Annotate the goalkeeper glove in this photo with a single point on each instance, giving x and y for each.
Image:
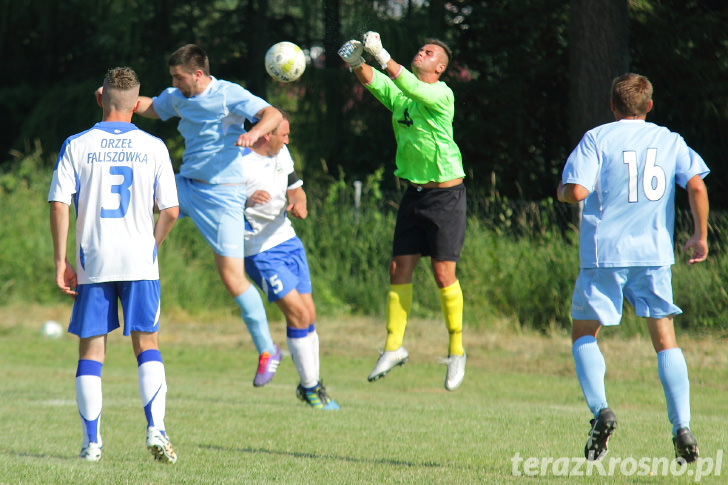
(351, 53)
(373, 45)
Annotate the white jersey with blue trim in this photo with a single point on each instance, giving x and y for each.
(211, 122)
(630, 168)
(114, 173)
(267, 225)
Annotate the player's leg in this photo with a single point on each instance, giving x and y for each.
(673, 371)
(597, 301)
(252, 310)
(589, 363)
(399, 305)
(313, 336)
(232, 272)
(91, 355)
(451, 301)
(650, 291)
(217, 211)
(94, 315)
(140, 302)
(445, 213)
(399, 298)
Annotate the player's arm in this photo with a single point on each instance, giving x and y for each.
(297, 205)
(65, 274)
(571, 193)
(269, 119)
(165, 221)
(146, 108)
(351, 53)
(699, 207)
(257, 198)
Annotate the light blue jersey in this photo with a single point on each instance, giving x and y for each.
(211, 123)
(630, 168)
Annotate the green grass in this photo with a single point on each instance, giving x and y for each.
(520, 396)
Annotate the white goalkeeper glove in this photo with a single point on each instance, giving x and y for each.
(373, 45)
(351, 53)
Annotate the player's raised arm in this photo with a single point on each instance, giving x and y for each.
(351, 53)
(372, 42)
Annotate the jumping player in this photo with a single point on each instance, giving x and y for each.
(431, 215)
(275, 258)
(211, 181)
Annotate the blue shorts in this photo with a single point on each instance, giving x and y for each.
(96, 309)
(217, 211)
(280, 269)
(599, 293)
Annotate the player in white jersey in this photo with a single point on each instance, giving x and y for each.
(211, 181)
(115, 174)
(275, 258)
(625, 172)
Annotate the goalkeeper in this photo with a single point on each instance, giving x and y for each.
(431, 215)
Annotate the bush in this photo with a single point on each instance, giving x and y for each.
(519, 261)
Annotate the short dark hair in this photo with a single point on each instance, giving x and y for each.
(192, 57)
(631, 94)
(444, 47)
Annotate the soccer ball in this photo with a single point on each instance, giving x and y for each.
(51, 329)
(285, 62)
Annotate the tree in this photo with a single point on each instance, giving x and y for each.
(598, 52)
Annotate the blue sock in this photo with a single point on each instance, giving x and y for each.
(590, 370)
(673, 372)
(253, 313)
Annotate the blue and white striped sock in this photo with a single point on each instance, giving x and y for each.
(152, 387)
(89, 399)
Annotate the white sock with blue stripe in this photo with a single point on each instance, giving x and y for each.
(590, 370)
(313, 336)
(152, 387)
(673, 371)
(253, 313)
(302, 354)
(89, 399)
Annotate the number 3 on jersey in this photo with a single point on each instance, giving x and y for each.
(653, 176)
(124, 191)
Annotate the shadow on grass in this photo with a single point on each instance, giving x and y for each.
(349, 459)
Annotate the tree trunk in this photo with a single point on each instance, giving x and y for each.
(598, 52)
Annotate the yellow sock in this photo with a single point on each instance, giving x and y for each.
(451, 298)
(399, 304)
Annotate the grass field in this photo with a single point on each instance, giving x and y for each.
(519, 410)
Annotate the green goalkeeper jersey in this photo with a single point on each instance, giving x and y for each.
(422, 116)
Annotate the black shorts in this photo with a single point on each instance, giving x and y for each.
(431, 222)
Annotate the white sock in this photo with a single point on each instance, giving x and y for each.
(152, 387)
(302, 355)
(313, 336)
(89, 399)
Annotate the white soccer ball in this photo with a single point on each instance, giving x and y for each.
(285, 62)
(52, 329)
